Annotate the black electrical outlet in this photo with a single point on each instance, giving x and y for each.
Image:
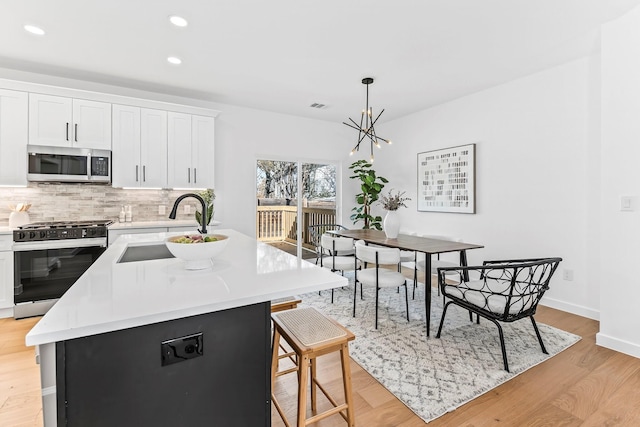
(180, 349)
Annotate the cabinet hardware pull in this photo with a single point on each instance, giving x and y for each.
(195, 175)
(189, 175)
(136, 173)
(144, 173)
(67, 131)
(75, 133)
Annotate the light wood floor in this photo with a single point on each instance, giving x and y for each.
(585, 385)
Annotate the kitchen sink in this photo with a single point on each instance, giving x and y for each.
(145, 253)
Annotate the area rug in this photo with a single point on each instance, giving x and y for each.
(434, 376)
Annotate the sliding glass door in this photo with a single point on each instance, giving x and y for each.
(290, 193)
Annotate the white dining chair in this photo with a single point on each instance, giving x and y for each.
(409, 259)
(333, 247)
(377, 275)
(438, 263)
(421, 262)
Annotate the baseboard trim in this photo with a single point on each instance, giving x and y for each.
(622, 346)
(587, 312)
(6, 312)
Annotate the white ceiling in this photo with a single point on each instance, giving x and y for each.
(283, 55)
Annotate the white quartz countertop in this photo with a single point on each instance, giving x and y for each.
(114, 296)
(163, 223)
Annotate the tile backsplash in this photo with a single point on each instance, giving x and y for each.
(65, 202)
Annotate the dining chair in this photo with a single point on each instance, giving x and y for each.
(421, 262)
(378, 276)
(315, 234)
(507, 291)
(333, 247)
(409, 259)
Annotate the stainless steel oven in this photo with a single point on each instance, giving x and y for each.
(49, 258)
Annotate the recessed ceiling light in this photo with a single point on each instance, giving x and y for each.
(34, 30)
(178, 21)
(174, 60)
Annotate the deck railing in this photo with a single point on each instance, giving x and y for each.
(279, 223)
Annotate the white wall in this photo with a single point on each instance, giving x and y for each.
(620, 290)
(533, 148)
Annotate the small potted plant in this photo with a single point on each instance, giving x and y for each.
(391, 203)
(209, 196)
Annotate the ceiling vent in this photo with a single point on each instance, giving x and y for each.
(318, 105)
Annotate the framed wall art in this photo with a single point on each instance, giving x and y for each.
(447, 180)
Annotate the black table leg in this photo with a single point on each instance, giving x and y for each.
(427, 290)
(463, 263)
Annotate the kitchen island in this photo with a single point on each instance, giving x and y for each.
(150, 343)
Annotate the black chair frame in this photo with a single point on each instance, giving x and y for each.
(507, 290)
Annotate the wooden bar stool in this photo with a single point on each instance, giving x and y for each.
(286, 303)
(311, 334)
(281, 304)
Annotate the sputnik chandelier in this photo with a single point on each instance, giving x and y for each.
(366, 128)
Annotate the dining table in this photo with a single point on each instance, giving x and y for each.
(426, 245)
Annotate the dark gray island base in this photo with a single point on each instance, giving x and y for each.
(101, 346)
(119, 378)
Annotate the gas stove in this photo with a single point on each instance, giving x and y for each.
(61, 230)
(49, 257)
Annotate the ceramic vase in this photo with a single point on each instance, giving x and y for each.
(391, 224)
(16, 219)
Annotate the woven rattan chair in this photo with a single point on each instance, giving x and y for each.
(506, 291)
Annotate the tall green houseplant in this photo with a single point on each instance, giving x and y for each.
(371, 186)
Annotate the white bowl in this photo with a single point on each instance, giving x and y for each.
(197, 256)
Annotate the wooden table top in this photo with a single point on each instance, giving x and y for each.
(407, 242)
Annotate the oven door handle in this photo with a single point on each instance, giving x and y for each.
(59, 244)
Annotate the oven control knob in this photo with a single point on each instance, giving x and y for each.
(43, 234)
(32, 234)
(22, 235)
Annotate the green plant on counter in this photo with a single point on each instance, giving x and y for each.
(209, 196)
(371, 186)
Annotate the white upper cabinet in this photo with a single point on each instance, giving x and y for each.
(179, 169)
(91, 124)
(191, 151)
(67, 122)
(202, 143)
(13, 137)
(139, 153)
(153, 147)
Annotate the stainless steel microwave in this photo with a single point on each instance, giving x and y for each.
(68, 164)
